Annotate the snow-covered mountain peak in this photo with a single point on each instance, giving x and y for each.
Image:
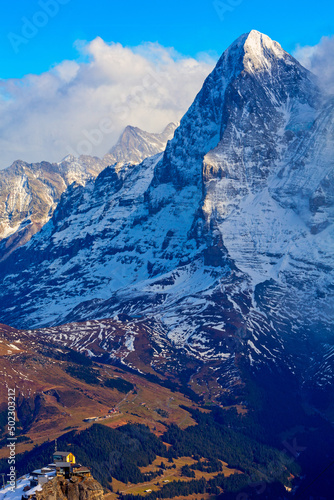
(254, 78)
(134, 145)
(67, 158)
(254, 52)
(260, 50)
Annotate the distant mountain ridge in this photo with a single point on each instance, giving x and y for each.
(29, 193)
(134, 145)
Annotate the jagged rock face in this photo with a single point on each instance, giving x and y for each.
(226, 239)
(29, 193)
(72, 489)
(276, 150)
(134, 145)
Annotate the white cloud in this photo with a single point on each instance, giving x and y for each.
(319, 60)
(80, 106)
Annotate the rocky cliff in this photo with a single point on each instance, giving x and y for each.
(29, 193)
(134, 145)
(75, 488)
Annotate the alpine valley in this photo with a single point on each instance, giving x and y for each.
(203, 267)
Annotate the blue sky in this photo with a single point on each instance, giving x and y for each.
(190, 26)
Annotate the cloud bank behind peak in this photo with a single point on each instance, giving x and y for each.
(319, 59)
(81, 107)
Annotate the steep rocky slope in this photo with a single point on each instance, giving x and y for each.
(75, 488)
(134, 145)
(29, 193)
(225, 239)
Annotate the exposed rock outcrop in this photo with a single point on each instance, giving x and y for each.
(134, 145)
(30, 192)
(76, 488)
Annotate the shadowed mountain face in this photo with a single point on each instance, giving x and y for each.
(29, 193)
(225, 239)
